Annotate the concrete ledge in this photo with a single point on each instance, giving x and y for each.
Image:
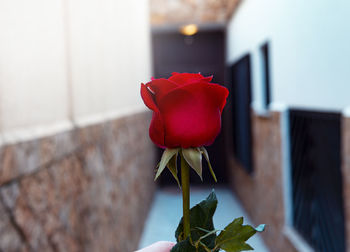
(29, 133)
(346, 112)
(297, 241)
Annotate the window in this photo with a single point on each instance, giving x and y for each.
(241, 116)
(316, 179)
(265, 63)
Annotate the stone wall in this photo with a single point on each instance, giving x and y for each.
(88, 189)
(261, 193)
(165, 12)
(346, 175)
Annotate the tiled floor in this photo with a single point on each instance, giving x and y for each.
(167, 211)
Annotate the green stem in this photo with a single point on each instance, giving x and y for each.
(185, 181)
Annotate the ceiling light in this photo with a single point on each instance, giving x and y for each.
(189, 30)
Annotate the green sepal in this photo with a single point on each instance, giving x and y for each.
(233, 237)
(194, 158)
(172, 166)
(201, 222)
(167, 155)
(206, 156)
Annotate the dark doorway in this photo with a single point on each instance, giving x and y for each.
(203, 52)
(317, 180)
(240, 76)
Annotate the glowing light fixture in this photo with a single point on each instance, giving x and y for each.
(189, 30)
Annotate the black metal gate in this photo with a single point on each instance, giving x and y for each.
(317, 180)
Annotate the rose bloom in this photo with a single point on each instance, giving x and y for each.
(186, 110)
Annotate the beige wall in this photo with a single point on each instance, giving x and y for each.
(109, 51)
(65, 62)
(33, 80)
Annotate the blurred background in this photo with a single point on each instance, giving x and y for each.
(76, 162)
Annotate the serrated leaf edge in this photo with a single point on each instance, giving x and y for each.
(237, 221)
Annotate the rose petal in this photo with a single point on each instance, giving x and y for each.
(161, 87)
(217, 93)
(156, 130)
(192, 114)
(148, 98)
(220, 94)
(188, 78)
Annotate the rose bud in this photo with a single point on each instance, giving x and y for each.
(186, 110)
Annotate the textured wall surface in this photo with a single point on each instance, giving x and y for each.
(262, 193)
(191, 11)
(346, 175)
(84, 190)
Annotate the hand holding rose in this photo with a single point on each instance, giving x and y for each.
(161, 246)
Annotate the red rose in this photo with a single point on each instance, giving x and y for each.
(186, 110)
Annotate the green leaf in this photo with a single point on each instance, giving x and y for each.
(172, 166)
(194, 158)
(206, 156)
(233, 237)
(167, 155)
(201, 219)
(183, 246)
